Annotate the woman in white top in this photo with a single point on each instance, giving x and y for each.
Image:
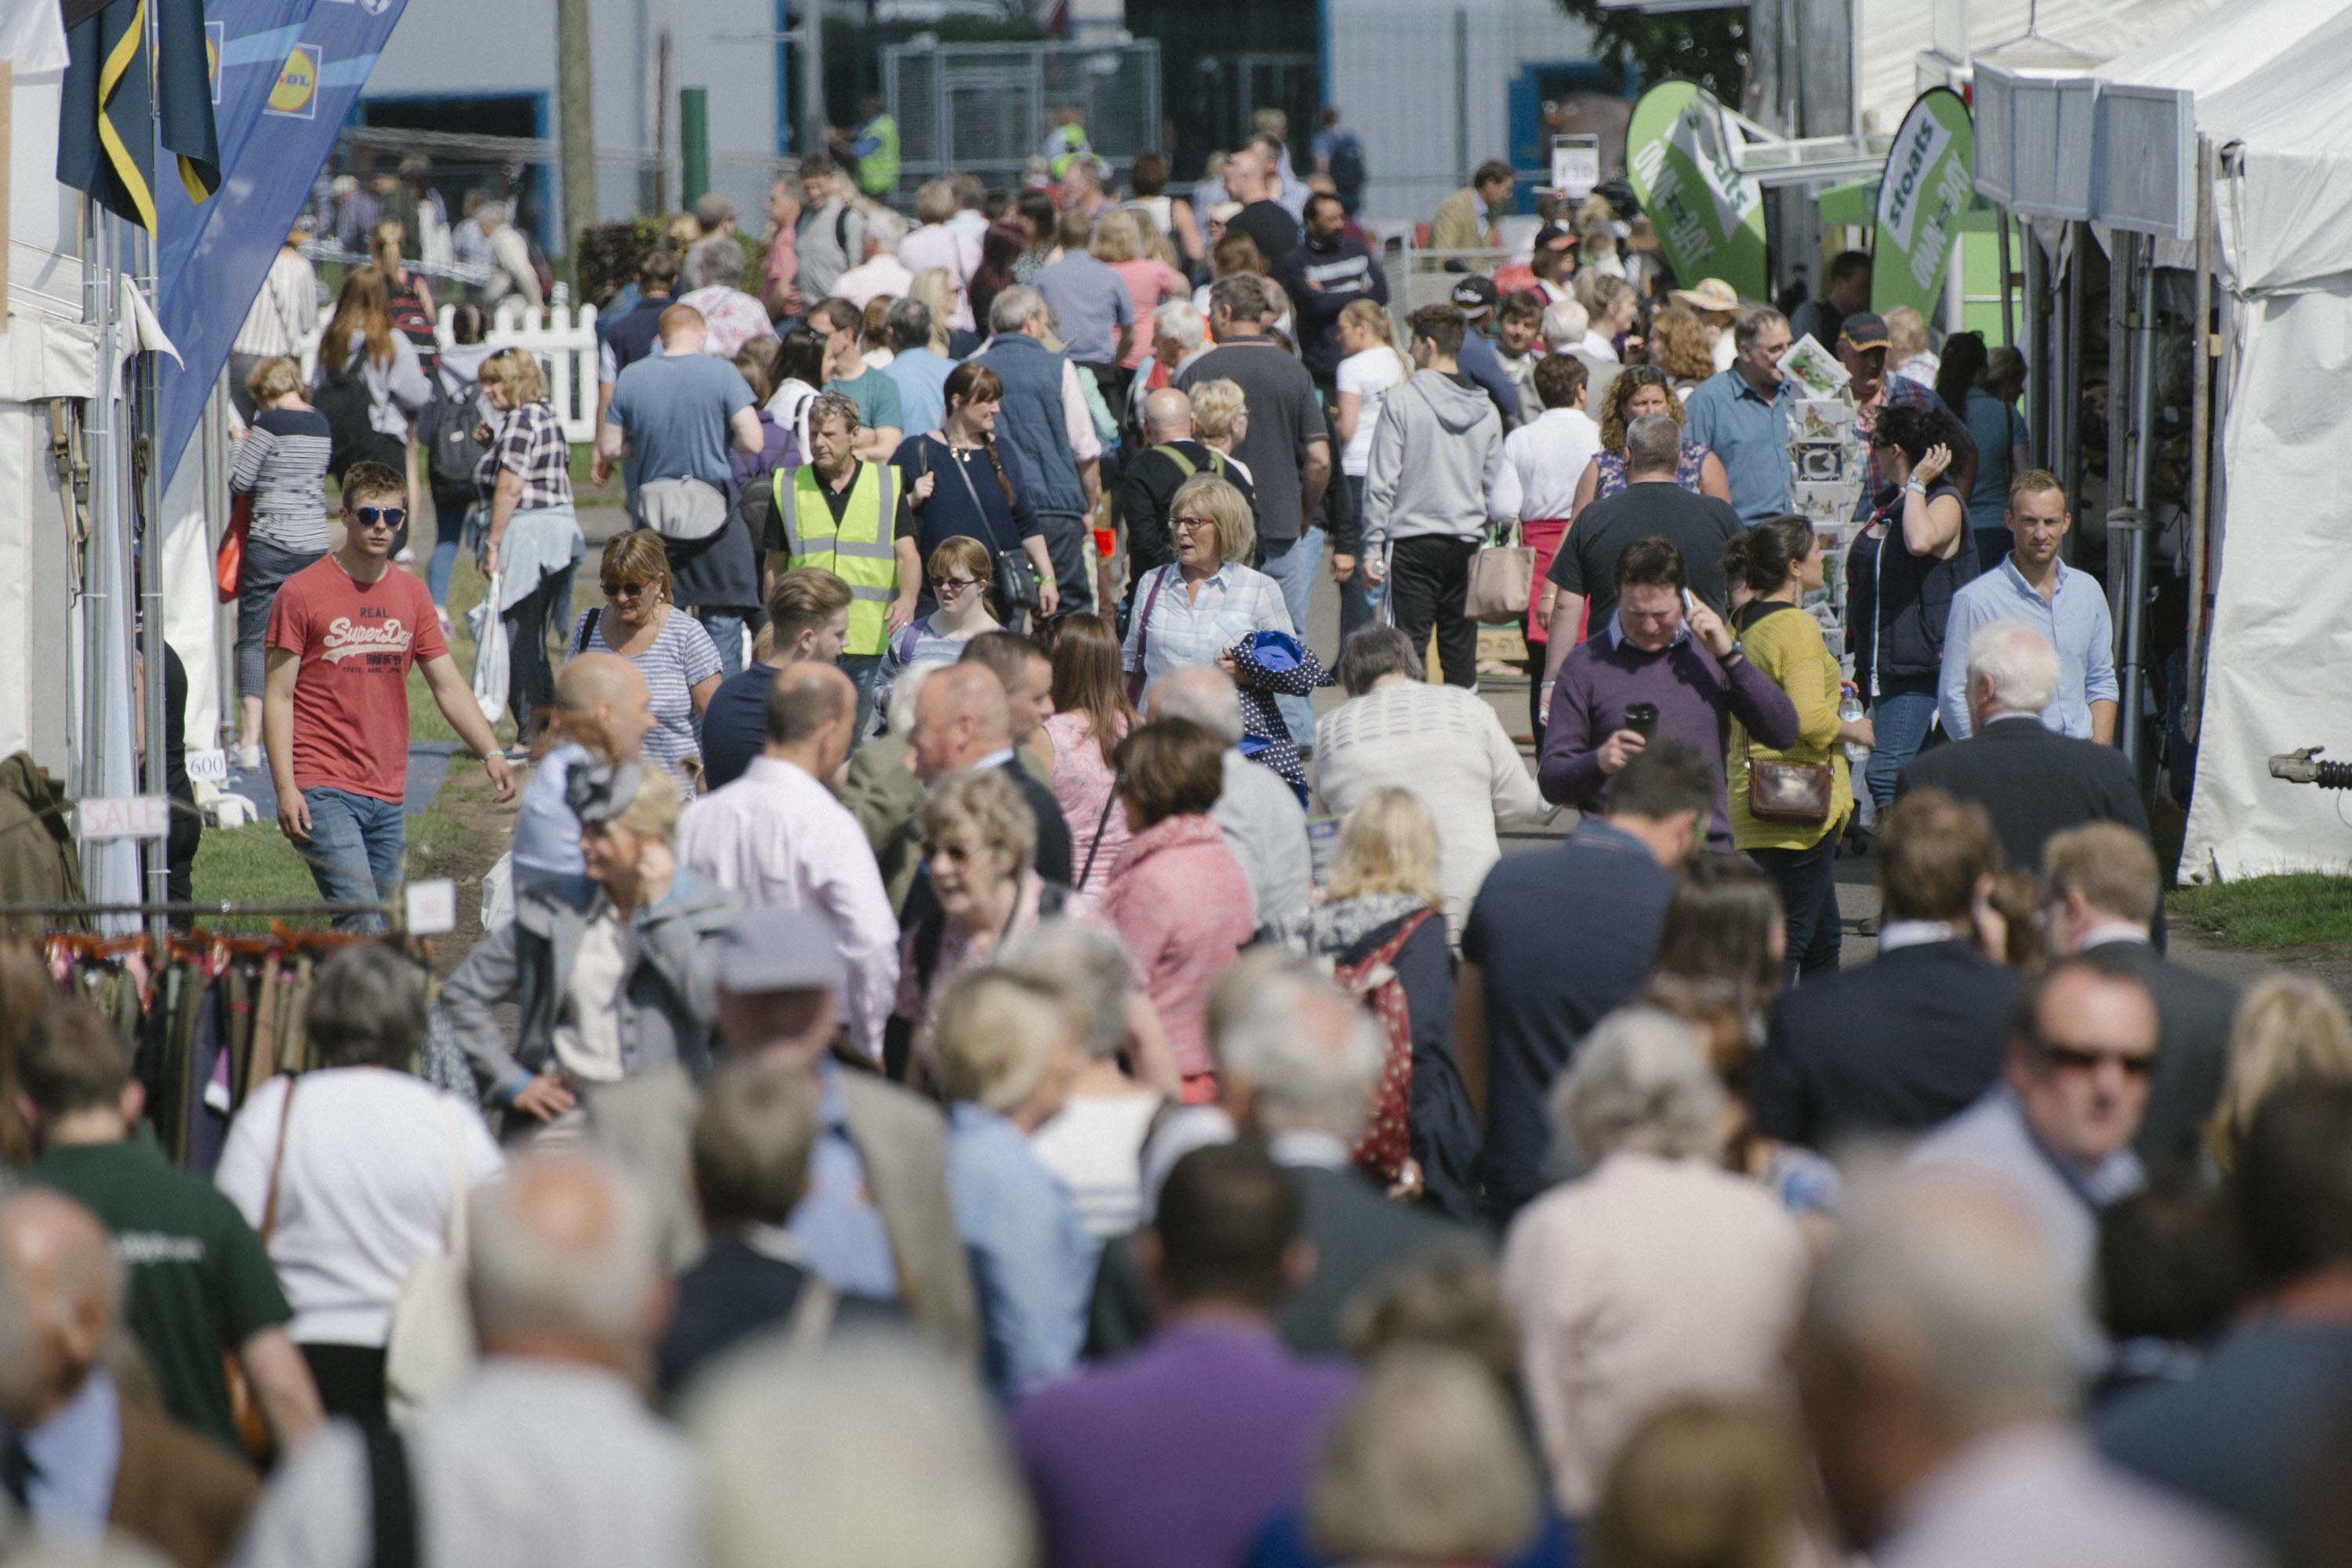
(1371, 370)
(351, 1172)
(800, 371)
(1443, 743)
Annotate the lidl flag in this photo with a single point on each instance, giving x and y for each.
(287, 76)
(116, 112)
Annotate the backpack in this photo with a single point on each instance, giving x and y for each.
(1387, 1142)
(1184, 464)
(344, 398)
(446, 430)
(1348, 163)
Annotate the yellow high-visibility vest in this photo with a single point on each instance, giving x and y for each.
(859, 550)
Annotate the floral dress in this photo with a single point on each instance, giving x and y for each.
(1688, 470)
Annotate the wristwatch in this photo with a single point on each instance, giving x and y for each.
(1915, 485)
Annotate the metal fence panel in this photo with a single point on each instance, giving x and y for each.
(984, 109)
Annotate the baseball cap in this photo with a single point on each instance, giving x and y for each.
(1553, 233)
(1864, 331)
(1475, 294)
(773, 948)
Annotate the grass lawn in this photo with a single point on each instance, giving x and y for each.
(2301, 910)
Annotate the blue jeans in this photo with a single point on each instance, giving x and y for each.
(1292, 564)
(864, 672)
(726, 629)
(357, 844)
(1901, 716)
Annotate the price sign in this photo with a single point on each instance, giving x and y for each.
(125, 816)
(208, 767)
(432, 906)
(1575, 165)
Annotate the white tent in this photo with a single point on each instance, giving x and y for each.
(2269, 84)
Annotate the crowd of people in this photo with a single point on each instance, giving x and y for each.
(930, 1096)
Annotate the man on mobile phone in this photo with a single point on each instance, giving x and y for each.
(334, 713)
(1666, 657)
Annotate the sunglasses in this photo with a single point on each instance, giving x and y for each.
(379, 516)
(953, 585)
(2073, 1058)
(625, 590)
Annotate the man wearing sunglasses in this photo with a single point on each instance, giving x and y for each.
(2057, 1128)
(334, 713)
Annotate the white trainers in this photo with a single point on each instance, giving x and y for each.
(248, 758)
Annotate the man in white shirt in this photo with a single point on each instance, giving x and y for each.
(938, 242)
(779, 837)
(881, 271)
(969, 220)
(1543, 460)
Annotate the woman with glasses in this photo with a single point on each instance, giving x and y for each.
(1091, 716)
(534, 540)
(1194, 610)
(977, 488)
(669, 648)
(956, 576)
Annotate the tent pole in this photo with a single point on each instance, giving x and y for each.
(2008, 305)
(2134, 621)
(2066, 377)
(2040, 382)
(2119, 258)
(100, 302)
(2200, 453)
(149, 514)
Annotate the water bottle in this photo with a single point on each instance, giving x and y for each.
(1849, 709)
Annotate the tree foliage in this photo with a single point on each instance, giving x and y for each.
(1709, 47)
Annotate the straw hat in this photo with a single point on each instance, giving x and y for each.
(1712, 296)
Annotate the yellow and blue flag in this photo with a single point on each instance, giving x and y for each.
(140, 76)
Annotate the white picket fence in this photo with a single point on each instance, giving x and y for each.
(563, 339)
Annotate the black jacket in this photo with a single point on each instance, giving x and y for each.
(1343, 273)
(1153, 476)
(1895, 1046)
(2033, 780)
(2195, 1015)
(1443, 1131)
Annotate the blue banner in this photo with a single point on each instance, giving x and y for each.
(285, 76)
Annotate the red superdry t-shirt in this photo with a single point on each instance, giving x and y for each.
(351, 700)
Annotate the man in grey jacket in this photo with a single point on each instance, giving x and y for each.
(876, 1219)
(1437, 454)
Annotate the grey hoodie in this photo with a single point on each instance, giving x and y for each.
(1437, 453)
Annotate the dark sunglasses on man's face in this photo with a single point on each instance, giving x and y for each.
(379, 516)
(2073, 1058)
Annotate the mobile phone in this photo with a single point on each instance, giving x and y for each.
(1689, 604)
(1641, 718)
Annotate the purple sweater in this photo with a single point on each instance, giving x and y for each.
(1693, 695)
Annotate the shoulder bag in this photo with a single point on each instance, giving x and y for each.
(430, 1348)
(1135, 679)
(1798, 794)
(1502, 579)
(244, 1410)
(1016, 579)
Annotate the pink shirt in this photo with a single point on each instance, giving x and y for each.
(1180, 902)
(1643, 1279)
(1150, 284)
(1081, 780)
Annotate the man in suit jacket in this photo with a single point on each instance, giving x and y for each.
(963, 719)
(1899, 1043)
(2033, 780)
(876, 1220)
(74, 1455)
(2102, 888)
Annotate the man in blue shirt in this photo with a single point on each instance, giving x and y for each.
(674, 414)
(1092, 308)
(1476, 297)
(919, 374)
(2033, 585)
(1741, 416)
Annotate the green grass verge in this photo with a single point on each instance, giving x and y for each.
(2302, 909)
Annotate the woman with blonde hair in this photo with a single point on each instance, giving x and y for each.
(533, 540)
(612, 987)
(1635, 393)
(2290, 1029)
(1701, 1484)
(638, 621)
(1005, 1049)
(982, 840)
(1150, 282)
(934, 288)
(958, 576)
(1220, 422)
(1683, 347)
(370, 381)
(1381, 921)
(1195, 608)
(408, 298)
(282, 465)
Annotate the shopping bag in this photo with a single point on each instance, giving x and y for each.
(228, 564)
(490, 654)
(1502, 579)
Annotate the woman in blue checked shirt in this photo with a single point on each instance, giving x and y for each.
(535, 541)
(1194, 610)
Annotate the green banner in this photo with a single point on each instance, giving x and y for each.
(1709, 216)
(1928, 185)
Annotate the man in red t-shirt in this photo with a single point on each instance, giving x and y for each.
(335, 714)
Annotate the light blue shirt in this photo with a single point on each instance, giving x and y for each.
(1033, 1263)
(837, 1224)
(2074, 620)
(1749, 433)
(74, 1456)
(546, 834)
(921, 377)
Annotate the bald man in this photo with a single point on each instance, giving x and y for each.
(778, 836)
(76, 1456)
(568, 1296)
(963, 720)
(1156, 474)
(601, 707)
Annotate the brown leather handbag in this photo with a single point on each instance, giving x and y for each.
(1796, 793)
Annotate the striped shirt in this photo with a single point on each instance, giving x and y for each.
(282, 463)
(284, 311)
(529, 443)
(1183, 629)
(680, 658)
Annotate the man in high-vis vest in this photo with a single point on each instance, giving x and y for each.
(850, 518)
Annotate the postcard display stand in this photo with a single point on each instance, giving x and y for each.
(1826, 467)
